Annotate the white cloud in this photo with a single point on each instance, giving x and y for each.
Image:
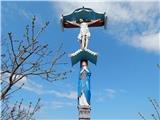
(5, 78)
(30, 85)
(127, 21)
(57, 104)
(108, 93)
(70, 95)
(111, 93)
(10, 8)
(39, 89)
(148, 42)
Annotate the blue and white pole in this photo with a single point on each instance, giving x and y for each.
(84, 93)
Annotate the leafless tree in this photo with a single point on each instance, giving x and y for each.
(19, 111)
(156, 106)
(21, 59)
(156, 114)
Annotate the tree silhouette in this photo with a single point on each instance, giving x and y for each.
(21, 59)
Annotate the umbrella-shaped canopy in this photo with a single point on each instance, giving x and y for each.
(85, 54)
(86, 14)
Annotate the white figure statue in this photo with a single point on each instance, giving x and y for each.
(82, 98)
(84, 34)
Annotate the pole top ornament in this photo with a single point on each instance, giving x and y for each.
(83, 18)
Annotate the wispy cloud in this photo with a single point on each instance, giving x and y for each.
(108, 93)
(39, 89)
(128, 22)
(34, 87)
(70, 95)
(30, 86)
(57, 104)
(12, 9)
(150, 42)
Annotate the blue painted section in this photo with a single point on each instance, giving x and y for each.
(84, 85)
(86, 14)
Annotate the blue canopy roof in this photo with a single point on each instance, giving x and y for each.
(87, 14)
(84, 55)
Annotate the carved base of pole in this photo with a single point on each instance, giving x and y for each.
(84, 112)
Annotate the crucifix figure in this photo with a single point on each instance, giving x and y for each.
(84, 33)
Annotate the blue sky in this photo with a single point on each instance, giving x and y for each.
(126, 72)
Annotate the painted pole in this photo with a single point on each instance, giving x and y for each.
(84, 93)
(83, 18)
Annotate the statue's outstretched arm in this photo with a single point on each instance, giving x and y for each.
(92, 22)
(73, 23)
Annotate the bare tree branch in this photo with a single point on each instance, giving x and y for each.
(19, 111)
(21, 59)
(141, 115)
(156, 107)
(29, 57)
(156, 115)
